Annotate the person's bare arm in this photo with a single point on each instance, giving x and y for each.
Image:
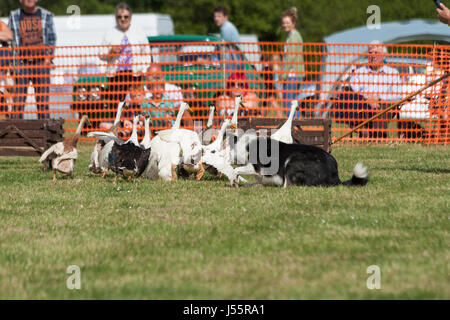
(5, 32)
(108, 51)
(443, 14)
(114, 51)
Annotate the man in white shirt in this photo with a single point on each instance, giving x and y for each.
(372, 88)
(127, 53)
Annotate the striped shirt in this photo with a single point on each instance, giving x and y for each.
(48, 28)
(384, 82)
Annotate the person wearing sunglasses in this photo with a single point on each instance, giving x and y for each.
(127, 53)
(237, 85)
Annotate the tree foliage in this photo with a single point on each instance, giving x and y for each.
(317, 18)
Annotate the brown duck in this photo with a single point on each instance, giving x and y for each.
(64, 154)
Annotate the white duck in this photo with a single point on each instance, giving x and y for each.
(237, 103)
(94, 165)
(145, 143)
(165, 156)
(64, 154)
(216, 155)
(284, 134)
(220, 155)
(191, 149)
(208, 133)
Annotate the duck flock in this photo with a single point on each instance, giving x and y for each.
(178, 151)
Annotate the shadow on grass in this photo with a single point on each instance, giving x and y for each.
(423, 170)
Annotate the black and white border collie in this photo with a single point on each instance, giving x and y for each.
(277, 163)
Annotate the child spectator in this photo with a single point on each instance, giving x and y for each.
(237, 85)
(161, 110)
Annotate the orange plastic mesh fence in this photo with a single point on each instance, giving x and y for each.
(348, 83)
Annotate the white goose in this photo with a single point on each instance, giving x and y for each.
(237, 103)
(191, 149)
(190, 144)
(165, 156)
(145, 143)
(94, 165)
(216, 155)
(220, 155)
(284, 134)
(234, 147)
(217, 144)
(208, 133)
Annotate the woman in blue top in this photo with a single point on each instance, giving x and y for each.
(293, 72)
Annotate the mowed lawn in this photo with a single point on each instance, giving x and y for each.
(206, 240)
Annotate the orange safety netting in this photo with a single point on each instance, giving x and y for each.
(347, 83)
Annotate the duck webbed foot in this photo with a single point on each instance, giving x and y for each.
(202, 171)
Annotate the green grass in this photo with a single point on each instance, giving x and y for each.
(205, 240)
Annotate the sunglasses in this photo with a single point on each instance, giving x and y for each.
(154, 78)
(239, 84)
(123, 17)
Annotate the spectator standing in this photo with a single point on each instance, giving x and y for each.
(5, 37)
(372, 88)
(127, 53)
(33, 27)
(228, 31)
(443, 14)
(293, 71)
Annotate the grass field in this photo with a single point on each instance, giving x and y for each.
(205, 240)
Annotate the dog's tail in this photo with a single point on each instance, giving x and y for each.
(360, 176)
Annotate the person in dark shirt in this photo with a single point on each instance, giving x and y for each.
(34, 33)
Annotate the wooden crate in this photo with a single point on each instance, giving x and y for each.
(29, 138)
(315, 132)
